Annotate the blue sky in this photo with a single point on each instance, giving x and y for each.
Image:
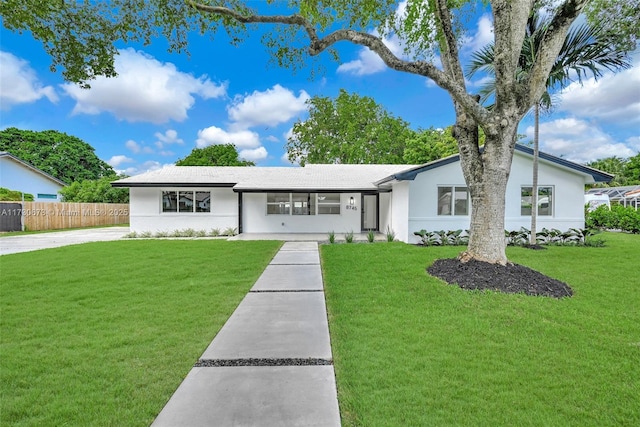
(163, 105)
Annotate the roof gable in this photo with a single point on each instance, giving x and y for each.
(11, 157)
(411, 173)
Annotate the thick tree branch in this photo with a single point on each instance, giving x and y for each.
(318, 44)
(510, 19)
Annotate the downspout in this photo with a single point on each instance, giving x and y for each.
(240, 212)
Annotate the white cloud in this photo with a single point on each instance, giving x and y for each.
(136, 148)
(147, 166)
(116, 161)
(19, 83)
(483, 35)
(612, 98)
(271, 107)
(169, 137)
(133, 146)
(579, 141)
(145, 90)
(368, 61)
(214, 135)
(272, 138)
(254, 154)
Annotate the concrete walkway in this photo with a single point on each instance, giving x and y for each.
(271, 363)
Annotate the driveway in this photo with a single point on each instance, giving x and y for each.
(33, 242)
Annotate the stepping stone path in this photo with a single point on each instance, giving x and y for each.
(271, 363)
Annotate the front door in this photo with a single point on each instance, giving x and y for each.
(369, 212)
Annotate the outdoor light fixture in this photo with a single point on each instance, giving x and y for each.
(352, 201)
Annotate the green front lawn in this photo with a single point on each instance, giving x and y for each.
(410, 350)
(103, 333)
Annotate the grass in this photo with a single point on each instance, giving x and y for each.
(411, 350)
(103, 333)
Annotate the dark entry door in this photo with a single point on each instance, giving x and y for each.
(369, 212)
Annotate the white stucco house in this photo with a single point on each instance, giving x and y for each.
(16, 174)
(343, 198)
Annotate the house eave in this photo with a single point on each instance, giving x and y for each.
(171, 184)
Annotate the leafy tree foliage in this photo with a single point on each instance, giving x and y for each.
(348, 129)
(214, 155)
(60, 155)
(429, 145)
(81, 37)
(95, 191)
(7, 195)
(625, 171)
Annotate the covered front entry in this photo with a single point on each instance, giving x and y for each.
(370, 212)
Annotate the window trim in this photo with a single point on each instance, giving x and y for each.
(177, 194)
(313, 201)
(551, 214)
(453, 189)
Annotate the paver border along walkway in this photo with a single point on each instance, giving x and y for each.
(271, 363)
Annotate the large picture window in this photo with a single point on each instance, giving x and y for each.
(186, 201)
(303, 204)
(545, 201)
(453, 200)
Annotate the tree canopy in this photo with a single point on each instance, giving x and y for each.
(625, 171)
(348, 129)
(95, 191)
(62, 156)
(429, 145)
(214, 155)
(81, 37)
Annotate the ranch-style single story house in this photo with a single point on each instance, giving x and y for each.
(343, 198)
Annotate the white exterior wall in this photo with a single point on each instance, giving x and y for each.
(568, 188)
(256, 220)
(385, 216)
(400, 211)
(568, 197)
(146, 211)
(16, 176)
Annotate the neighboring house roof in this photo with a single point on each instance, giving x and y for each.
(333, 177)
(411, 173)
(312, 177)
(7, 155)
(616, 193)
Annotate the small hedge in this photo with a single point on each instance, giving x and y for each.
(7, 195)
(617, 218)
(572, 237)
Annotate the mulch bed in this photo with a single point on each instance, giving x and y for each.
(511, 278)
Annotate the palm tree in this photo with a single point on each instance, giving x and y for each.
(587, 49)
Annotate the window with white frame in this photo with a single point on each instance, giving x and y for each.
(278, 204)
(328, 203)
(545, 200)
(453, 200)
(303, 204)
(185, 201)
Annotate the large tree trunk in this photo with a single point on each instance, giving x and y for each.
(486, 174)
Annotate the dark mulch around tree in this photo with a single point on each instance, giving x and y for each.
(511, 278)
